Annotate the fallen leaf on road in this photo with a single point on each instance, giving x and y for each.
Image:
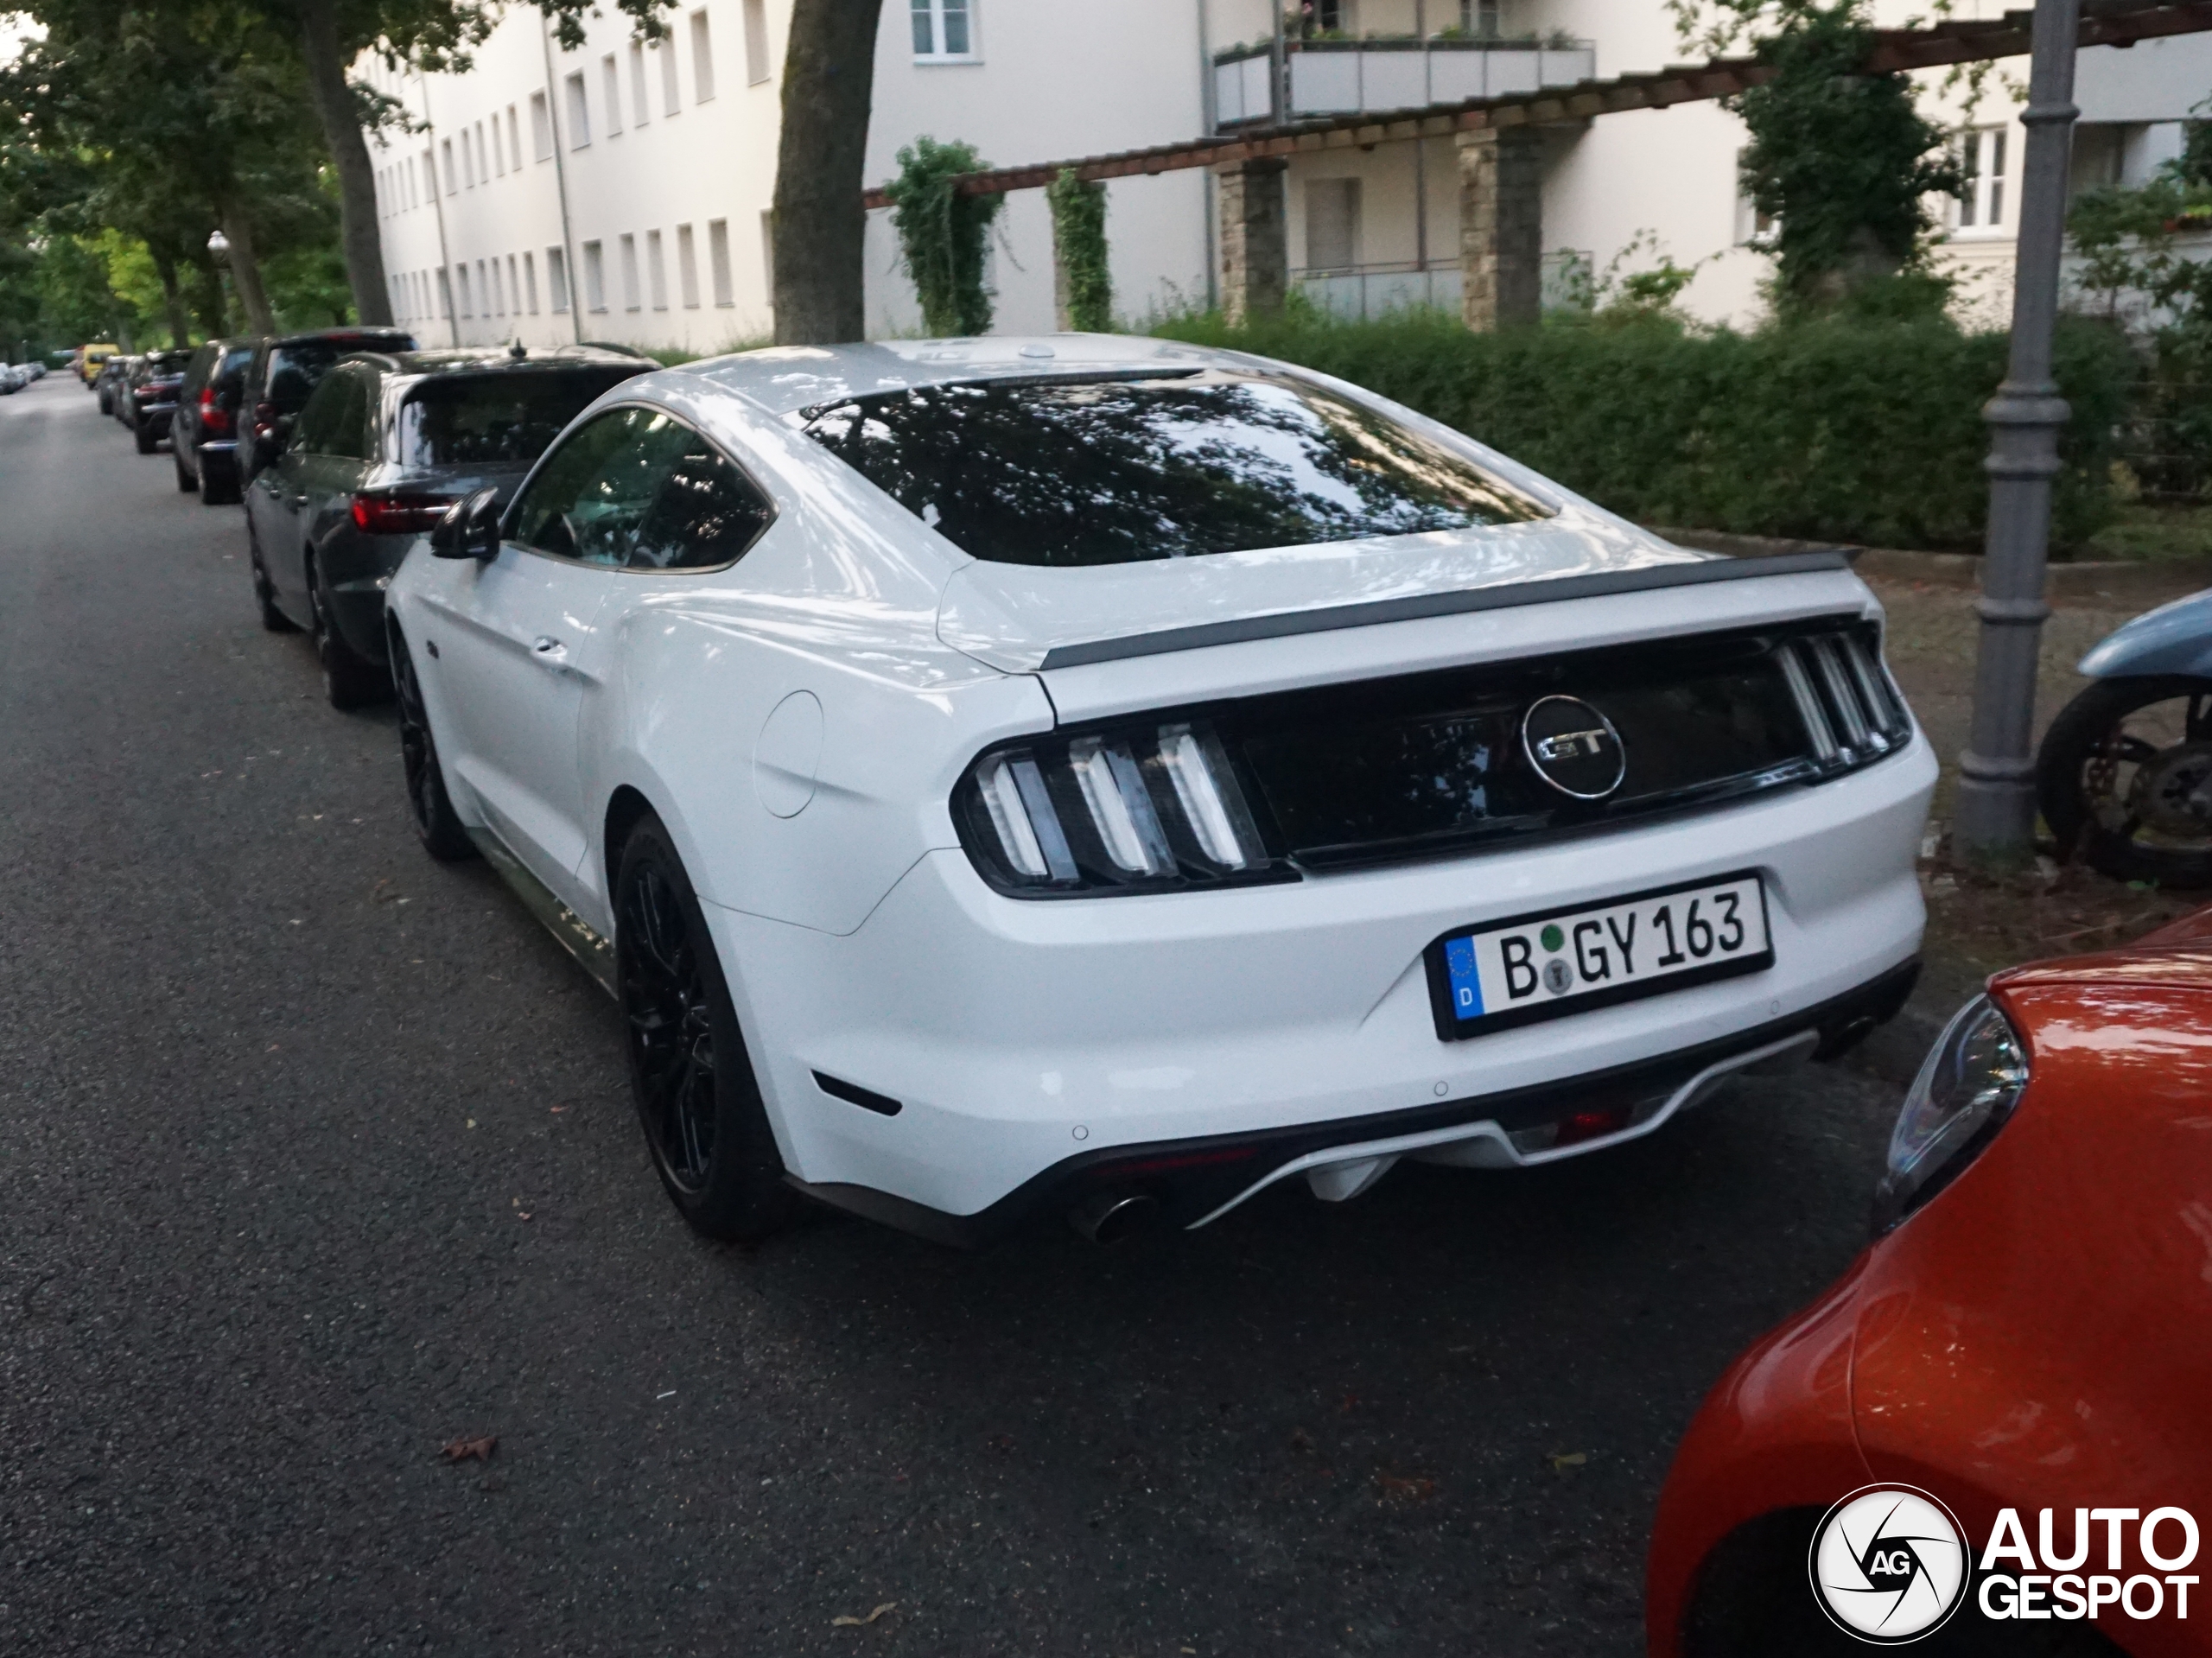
(847, 1621)
(462, 1450)
(1563, 1460)
(522, 1214)
(1418, 1489)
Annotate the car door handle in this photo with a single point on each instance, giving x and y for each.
(550, 652)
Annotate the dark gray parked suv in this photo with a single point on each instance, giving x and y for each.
(204, 430)
(369, 466)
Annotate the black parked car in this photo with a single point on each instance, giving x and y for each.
(204, 432)
(286, 370)
(109, 381)
(384, 445)
(149, 396)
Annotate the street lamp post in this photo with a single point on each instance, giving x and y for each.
(1996, 810)
(218, 249)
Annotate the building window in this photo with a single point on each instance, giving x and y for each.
(495, 296)
(556, 279)
(1753, 228)
(629, 247)
(578, 112)
(671, 101)
(611, 79)
(656, 272)
(467, 298)
(499, 148)
(1479, 19)
(718, 261)
(702, 59)
(594, 278)
(640, 112)
(1331, 223)
(445, 293)
(453, 185)
(686, 267)
(514, 139)
(945, 30)
(756, 41)
(530, 281)
(514, 286)
(768, 256)
(1983, 152)
(541, 126)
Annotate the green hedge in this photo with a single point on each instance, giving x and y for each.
(1848, 430)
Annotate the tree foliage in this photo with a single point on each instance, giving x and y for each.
(943, 235)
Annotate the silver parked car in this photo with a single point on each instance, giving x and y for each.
(387, 442)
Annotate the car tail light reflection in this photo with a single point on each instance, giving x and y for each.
(214, 419)
(399, 515)
(1147, 808)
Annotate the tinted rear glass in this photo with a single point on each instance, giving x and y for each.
(231, 376)
(168, 362)
(496, 419)
(1109, 471)
(295, 370)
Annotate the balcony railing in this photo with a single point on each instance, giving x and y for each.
(1347, 77)
(1373, 290)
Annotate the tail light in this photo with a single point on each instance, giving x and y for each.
(264, 417)
(395, 514)
(214, 419)
(1147, 807)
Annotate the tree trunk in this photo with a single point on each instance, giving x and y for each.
(349, 153)
(173, 301)
(818, 285)
(246, 272)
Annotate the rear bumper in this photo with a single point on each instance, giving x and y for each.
(1195, 1181)
(1033, 1044)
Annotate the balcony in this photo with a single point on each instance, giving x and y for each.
(1364, 291)
(1326, 77)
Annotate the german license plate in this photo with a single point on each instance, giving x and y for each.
(1545, 965)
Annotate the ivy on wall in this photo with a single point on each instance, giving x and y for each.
(1082, 286)
(943, 235)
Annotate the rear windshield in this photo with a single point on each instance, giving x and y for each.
(297, 368)
(1108, 471)
(168, 362)
(499, 419)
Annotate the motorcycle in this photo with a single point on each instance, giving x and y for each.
(2124, 775)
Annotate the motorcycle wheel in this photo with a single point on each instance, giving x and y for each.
(2125, 779)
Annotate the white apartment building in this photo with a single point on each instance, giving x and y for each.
(621, 191)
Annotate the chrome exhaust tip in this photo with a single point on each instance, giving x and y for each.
(1110, 1217)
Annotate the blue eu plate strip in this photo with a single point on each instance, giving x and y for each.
(1467, 983)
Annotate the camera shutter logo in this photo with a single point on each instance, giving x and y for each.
(1572, 747)
(1889, 1564)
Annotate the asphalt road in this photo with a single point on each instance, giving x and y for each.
(315, 1156)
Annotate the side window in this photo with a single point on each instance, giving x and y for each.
(351, 437)
(320, 419)
(588, 498)
(706, 513)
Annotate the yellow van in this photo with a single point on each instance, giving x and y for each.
(90, 359)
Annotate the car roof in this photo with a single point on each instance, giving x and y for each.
(366, 338)
(501, 359)
(782, 378)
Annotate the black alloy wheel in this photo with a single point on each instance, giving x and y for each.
(697, 1097)
(429, 806)
(264, 590)
(143, 430)
(2124, 778)
(350, 680)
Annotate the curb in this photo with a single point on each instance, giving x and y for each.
(2107, 579)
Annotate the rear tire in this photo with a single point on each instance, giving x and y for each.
(697, 1096)
(350, 680)
(144, 434)
(429, 806)
(185, 480)
(2089, 811)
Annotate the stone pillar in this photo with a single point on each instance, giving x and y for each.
(1255, 238)
(1501, 226)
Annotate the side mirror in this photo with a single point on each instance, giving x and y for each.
(470, 528)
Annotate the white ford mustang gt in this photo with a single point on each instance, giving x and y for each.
(1099, 775)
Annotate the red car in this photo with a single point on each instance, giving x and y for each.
(2024, 1351)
